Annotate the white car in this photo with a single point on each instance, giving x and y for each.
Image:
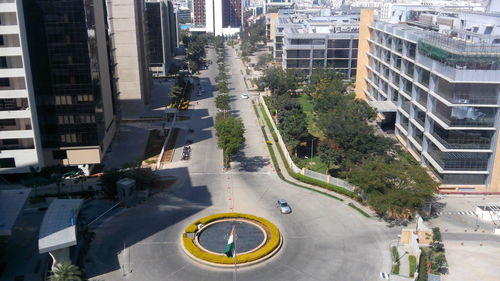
(283, 206)
(244, 95)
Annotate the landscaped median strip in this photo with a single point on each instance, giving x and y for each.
(301, 177)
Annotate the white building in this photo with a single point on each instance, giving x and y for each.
(20, 145)
(223, 17)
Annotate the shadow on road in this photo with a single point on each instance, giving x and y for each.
(142, 222)
(250, 164)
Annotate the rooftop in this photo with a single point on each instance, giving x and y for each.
(58, 229)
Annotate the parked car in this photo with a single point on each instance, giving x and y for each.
(283, 206)
(244, 95)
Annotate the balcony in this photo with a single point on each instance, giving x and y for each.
(11, 72)
(9, 29)
(18, 134)
(16, 147)
(479, 144)
(465, 116)
(462, 139)
(11, 51)
(456, 161)
(467, 93)
(14, 114)
(458, 74)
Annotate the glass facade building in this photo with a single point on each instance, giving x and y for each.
(308, 42)
(442, 92)
(71, 74)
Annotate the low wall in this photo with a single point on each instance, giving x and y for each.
(306, 172)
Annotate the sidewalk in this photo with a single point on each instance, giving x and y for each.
(289, 178)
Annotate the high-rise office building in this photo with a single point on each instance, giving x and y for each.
(307, 41)
(128, 31)
(435, 78)
(199, 13)
(68, 67)
(223, 17)
(161, 35)
(20, 144)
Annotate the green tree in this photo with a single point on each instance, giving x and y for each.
(293, 126)
(193, 66)
(223, 88)
(330, 154)
(279, 81)
(396, 188)
(263, 60)
(175, 94)
(229, 132)
(222, 102)
(65, 271)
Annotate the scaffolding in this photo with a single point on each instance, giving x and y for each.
(460, 53)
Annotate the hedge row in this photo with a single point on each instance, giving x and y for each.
(301, 177)
(273, 240)
(359, 210)
(413, 265)
(275, 161)
(395, 260)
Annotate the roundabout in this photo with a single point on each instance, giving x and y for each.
(256, 239)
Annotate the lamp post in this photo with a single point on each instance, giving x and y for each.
(312, 149)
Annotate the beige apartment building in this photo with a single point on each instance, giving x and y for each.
(130, 53)
(435, 78)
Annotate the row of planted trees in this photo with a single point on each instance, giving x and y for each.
(229, 129)
(195, 49)
(392, 182)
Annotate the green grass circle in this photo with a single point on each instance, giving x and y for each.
(272, 243)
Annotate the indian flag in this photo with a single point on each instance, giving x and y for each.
(230, 245)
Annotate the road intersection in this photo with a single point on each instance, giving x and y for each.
(323, 239)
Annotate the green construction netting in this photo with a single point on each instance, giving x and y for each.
(453, 59)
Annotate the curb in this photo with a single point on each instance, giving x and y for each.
(230, 266)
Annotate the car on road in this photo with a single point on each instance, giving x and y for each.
(244, 95)
(283, 206)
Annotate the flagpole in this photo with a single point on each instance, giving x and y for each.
(234, 256)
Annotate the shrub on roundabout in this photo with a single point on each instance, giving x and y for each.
(273, 240)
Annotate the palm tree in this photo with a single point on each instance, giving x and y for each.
(65, 271)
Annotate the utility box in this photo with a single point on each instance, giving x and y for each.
(125, 189)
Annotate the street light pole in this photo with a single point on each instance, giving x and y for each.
(312, 149)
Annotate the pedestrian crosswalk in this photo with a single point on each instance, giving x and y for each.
(459, 213)
(384, 275)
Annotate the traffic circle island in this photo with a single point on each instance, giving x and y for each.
(255, 239)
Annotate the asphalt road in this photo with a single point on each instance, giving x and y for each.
(323, 239)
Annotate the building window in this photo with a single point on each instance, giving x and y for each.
(65, 119)
(7, 122)
(4, 82)
(7, 163)
(63, 100)
(10, 142)
(85, 98)
(59, 154)
(68, 138)
(3, 62)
